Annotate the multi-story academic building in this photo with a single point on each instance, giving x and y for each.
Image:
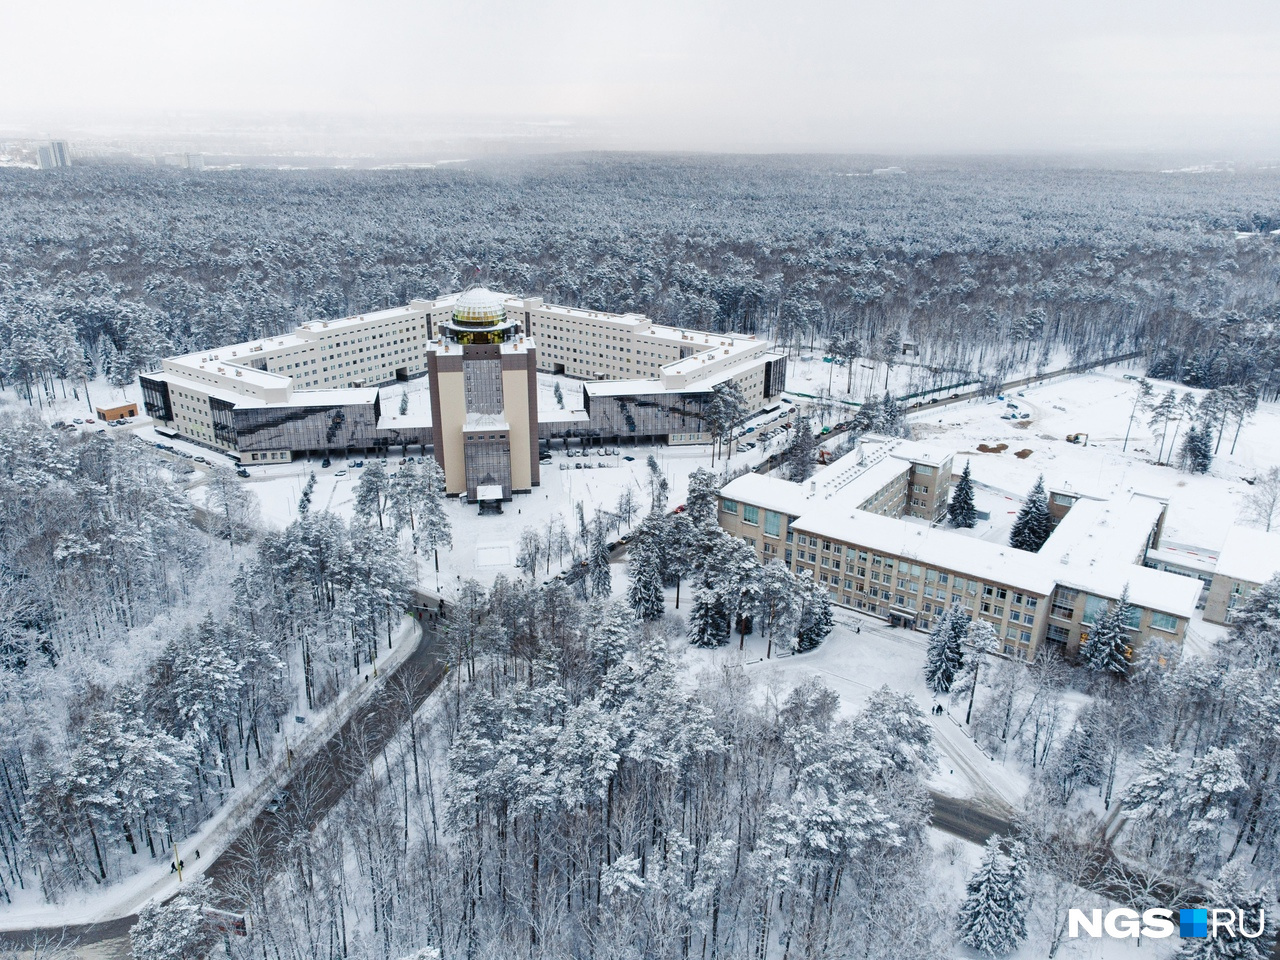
(853, 528)
(315, 391)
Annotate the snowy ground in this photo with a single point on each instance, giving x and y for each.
(1201, 508)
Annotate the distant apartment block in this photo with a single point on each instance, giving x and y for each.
(878, 549)
(53, 155)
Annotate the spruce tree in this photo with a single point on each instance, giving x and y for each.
(1197, 450)
(815, 620)
(645, 592)
(800, 451)
(945, 655)
(709, 618)
(559, 395)
(1107, 649)
(961, 511)
(1032, 526)
(1232, 890)
(993, 917)
(598, 562)
(404, 402)
(304, 502)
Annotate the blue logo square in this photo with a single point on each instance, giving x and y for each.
(1193, 923)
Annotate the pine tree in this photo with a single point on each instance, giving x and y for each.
(404, 402)
(559, 395)
(799, 454)
(1108, 647)
(1032, 526)
(945, 655)
(703, 503)
(371, 493)
(993, 917)
(961, 511)
(814, 620)
(304, 502)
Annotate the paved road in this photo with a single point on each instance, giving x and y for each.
(966, 819)
(315, 788)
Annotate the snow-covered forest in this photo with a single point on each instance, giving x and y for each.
(573, 788)
(979, 265)
(147, 664)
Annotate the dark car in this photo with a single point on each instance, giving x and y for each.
(242, 472)
(324, 463)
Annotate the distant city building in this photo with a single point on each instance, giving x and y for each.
(314, 391)
(54, 155)
(865, 528)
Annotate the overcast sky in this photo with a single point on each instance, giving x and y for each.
(934, 75)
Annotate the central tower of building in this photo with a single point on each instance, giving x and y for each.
(482, 371)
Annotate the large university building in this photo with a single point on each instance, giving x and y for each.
(865, 528)
(315, 391)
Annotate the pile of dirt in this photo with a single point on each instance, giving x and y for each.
(998, 448)
(1023, 454)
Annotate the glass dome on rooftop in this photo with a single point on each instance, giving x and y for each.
(479, 307)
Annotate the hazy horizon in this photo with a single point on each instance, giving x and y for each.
(921, 78)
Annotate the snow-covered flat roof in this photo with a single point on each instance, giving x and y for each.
(1250, 555)
(621, 388)
(324, 398)
(933, 546)
(1104, 529)
(771, 493)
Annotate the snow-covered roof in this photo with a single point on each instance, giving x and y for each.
(1103, 529)
(1249, 555)
(1153, 589)
(771, 493)
(932, 546)
(1099, 551)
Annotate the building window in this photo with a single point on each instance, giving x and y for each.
(750, 514)
(772, 523)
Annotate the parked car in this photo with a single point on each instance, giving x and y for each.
(77, 420)
(201, 460)
(90, 420)
(324, 463)
(341, 473)
(629, 459)
(242, 472)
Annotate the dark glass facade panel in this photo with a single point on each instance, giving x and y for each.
(775, 376)
(155, 398)
(487, 458)
(328, 427)
(224, 428)
(642, 415)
